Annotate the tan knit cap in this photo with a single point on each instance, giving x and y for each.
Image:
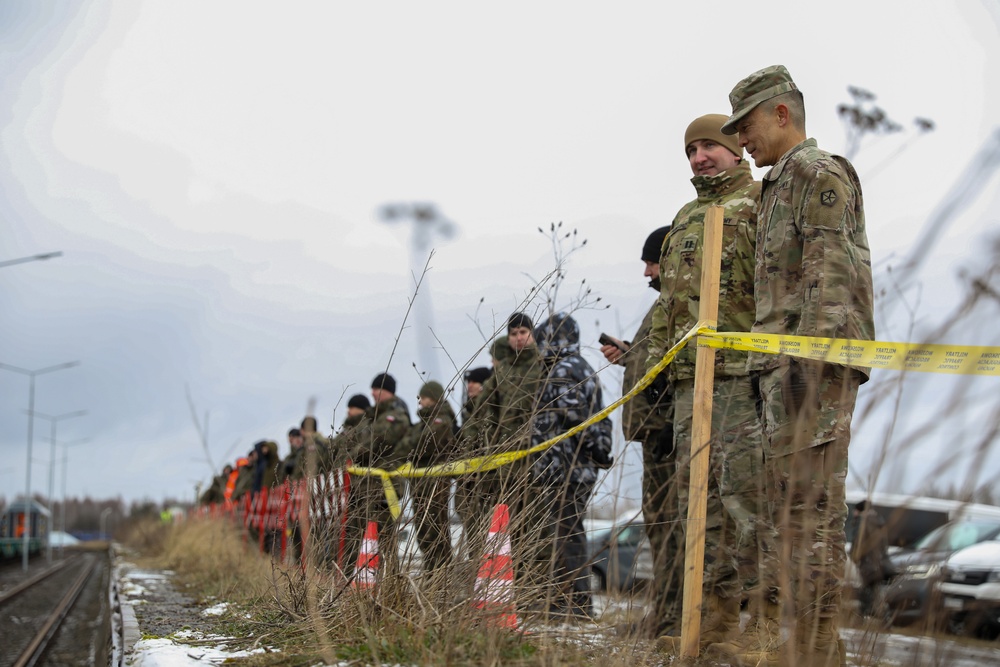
(709, 127)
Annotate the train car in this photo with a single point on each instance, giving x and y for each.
(14, 522)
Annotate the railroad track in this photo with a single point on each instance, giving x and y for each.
(30, 613)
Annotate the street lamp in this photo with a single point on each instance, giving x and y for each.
(33, 258)
(104, 514)
(53, 420)
(62, 507)
(31, 426)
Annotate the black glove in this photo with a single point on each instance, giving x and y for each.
(656, 390)
(800, 386)
(663, 445)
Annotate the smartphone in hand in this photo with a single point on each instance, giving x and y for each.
(605, 339)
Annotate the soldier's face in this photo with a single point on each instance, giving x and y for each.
(379, 395)
(653, 273)
(426, 401)
(709, 158)
(519, 338)
(757, 135)
(354, 412)
(295, 441)
(474, 389)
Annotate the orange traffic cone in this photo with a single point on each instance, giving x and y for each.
(494, 590)
(367, 566)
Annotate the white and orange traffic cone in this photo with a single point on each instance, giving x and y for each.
(367, 566)
(494, 590)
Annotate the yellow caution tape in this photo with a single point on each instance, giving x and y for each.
(494, 461)
(926, 358)
(920, 357)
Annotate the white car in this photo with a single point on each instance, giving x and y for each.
(970, 589)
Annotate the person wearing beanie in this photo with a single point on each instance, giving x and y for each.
(649, 424)
(334, 535)
(384, 381)
(430, 441)
(474, 379)
(499, 422)
(376, 442)
(357, 402)
(721, 177)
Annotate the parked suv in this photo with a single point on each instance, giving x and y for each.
(970, 590)
(911, 596)
(620, 556)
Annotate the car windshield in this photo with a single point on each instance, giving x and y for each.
(955, 536)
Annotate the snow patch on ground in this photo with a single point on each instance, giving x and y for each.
(167, 653)
(216, 610)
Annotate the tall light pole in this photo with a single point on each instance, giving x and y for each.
(33, 258)
(53, 420)
(62, 506)
(31, 427)
(104, 515)
(427, 223)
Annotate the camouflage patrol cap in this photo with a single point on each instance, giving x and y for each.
(432, 390)
(760, 86)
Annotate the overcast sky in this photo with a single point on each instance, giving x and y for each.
(212, 173)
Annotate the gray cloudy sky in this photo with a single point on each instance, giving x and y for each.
(212, 173)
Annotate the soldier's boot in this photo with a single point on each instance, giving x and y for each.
(720, 620)
(818, 644)
(760, 641)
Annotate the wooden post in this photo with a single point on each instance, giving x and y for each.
(701, 434)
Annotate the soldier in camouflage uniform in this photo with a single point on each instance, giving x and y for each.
(813, 278)
(500, 422)
(293, 467)
(429, 442)
(376, 442)
(329, 531)
(721, 178)
(565, 474)
(649, 426)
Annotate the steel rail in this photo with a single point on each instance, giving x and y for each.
(39, 643)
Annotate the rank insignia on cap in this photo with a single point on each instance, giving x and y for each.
(828, 198)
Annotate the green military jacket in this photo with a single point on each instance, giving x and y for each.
(345, 445)
(293, 467)
(680, 271)
(814, 268)
(375, 442)
(503, 411)
(244, 482)
(432, 439)
(215, 493)
(639, 420)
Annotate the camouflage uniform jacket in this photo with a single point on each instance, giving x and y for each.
(680, 271)
(293, 467)
(344, 446)
(432, 439)
(244, 482)
(814, 270)
(376, 441)
(215, 490)
(571, 394)
(639, 420)
(502, 412)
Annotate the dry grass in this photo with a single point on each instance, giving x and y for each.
(317, 616)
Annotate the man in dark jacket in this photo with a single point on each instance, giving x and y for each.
(652, 427)
(565, 473)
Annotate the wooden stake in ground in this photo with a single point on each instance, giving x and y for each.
(701, 434)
